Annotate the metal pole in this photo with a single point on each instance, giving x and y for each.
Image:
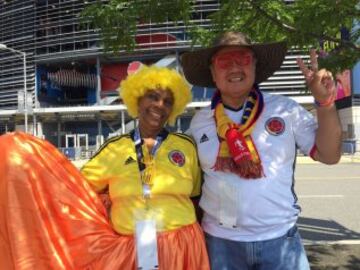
(99, 125)
(98, 81)
(25, 95)
(34, 126)
(122, 122)
(58, 133)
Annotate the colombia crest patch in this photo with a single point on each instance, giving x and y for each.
(275, 126)
(177, 157)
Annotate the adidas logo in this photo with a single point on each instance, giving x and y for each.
(129, 160)
(204, 138)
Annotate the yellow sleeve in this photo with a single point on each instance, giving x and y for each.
(197, 175)
(96, 169)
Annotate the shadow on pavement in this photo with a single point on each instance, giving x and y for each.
(329, 256)
(328, 230)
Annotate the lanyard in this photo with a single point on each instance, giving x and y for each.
(140, 158)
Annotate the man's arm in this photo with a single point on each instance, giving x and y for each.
(328, 134)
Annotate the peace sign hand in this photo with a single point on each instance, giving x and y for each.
(320, 82)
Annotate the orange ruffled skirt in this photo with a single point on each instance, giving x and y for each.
(50, 218)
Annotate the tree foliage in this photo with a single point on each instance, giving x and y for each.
(302, 23)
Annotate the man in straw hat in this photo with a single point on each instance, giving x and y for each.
(247, 142)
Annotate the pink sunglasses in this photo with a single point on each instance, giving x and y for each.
(227, 59)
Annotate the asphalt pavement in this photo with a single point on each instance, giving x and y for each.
(333, 257)
(330, 219)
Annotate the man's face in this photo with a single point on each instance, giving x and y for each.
(233, 71)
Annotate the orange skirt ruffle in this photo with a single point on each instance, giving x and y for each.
(50, 218)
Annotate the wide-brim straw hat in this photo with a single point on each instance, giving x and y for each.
(196, 64)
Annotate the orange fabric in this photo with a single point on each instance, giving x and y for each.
(52, 219)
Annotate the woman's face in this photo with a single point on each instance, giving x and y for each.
(155, 108)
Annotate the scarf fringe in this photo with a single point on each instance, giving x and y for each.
(247, 169)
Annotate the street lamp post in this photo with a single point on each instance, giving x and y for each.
(23, 54)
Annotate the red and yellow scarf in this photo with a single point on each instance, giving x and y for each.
(237, 151)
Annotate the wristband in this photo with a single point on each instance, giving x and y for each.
(327, 103)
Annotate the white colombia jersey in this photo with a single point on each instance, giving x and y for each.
(255, 209)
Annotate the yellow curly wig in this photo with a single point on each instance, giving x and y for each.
(152, 77)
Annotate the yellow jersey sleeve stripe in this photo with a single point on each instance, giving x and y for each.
(106, 143)
(185, 137)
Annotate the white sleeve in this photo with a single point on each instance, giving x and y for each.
(188, 132)
(193, 122)
(304, 129)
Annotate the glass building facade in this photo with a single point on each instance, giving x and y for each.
(71, 84)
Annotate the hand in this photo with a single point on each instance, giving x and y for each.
(105, 199)
(320, 82)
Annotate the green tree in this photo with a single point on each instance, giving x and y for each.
(302, 23)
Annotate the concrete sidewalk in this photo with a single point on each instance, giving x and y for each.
(344, 159)
(79, 163)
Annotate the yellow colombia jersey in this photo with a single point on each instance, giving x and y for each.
(175, 177)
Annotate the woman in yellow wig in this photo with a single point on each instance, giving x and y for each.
(52, 218)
